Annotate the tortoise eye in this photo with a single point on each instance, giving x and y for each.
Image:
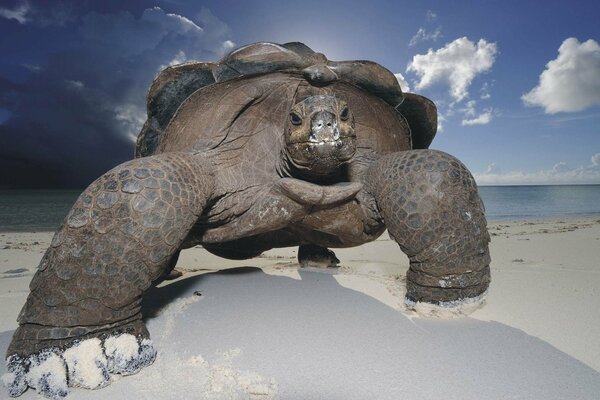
(295, 119)
(344, 114)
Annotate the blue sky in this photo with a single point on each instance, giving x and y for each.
(517, 83)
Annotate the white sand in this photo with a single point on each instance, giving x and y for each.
(87, 365)
(280, 332)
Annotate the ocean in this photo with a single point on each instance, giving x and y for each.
(44, 210)
(503, 203)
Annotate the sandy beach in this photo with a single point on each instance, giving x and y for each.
(265, 328)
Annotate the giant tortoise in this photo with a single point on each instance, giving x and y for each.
(273, 146)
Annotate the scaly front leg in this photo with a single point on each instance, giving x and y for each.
(430, 205)
(82, 319)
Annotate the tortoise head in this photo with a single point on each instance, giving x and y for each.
(320, 136)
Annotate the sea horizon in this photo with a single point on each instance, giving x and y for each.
(45, 209)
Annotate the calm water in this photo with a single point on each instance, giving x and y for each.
(34, 210)
(44, 210)
(540, 202)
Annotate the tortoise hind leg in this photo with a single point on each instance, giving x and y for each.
(119, 237)
(312, 255)
(431, 207)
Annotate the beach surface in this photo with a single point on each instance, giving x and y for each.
(265, 328)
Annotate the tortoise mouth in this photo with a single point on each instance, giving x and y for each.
(322, 158)
(336, 141)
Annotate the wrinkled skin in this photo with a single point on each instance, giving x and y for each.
(270, 160)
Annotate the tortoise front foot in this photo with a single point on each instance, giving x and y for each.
(430, 205)
(313, 256)
(51, 366)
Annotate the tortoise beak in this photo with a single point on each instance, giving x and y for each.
(323, 128)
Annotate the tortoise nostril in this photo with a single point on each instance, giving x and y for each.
(329, 124)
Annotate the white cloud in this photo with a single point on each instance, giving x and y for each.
(469, 109)
(482, 119)
(440, 122)
(571, 82)
(431, 16)
(215, 30)
(559, 174)
(402, 82)
(422, 35)
(32, 67)
(560, 166)
(132, 118)
(457, 64)
(171, 22)
(471, 116)
(74, 84)
(158, 32)
(19, 13)
(485, 91)
(179, 58)
(492, 169)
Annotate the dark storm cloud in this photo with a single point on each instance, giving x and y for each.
(76, 114)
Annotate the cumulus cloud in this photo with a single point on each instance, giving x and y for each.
(560, 173)
(423, 35)
(402, 82)
(457, 64)
(77, 115)
(571, 82)
(18, 13)
(482, 119)
(431, 16)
